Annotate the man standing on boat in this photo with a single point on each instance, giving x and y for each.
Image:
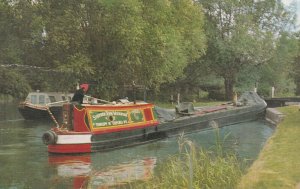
(79, 94)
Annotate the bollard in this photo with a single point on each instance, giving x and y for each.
(234, 99)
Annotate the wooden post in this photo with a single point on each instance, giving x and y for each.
(172, 99)
(133, 89)
(145, 94)
(234, 100)
(272, 92)
(178, 98)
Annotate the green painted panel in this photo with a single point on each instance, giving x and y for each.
(136, 116)
(109, 118)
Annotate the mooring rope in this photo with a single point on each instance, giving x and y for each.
(52, 116)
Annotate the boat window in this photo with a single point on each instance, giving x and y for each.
(41, 99)
(33, 99)
(52, 99)
(63, 97)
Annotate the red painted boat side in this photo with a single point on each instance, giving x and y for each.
(79, 120)
(82, 118)
(69, 148)
(148, 114)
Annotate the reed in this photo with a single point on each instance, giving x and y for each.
(195, 168)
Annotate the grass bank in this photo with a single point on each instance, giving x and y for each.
(195, 168)
(278, 165)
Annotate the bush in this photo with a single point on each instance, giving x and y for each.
(13, 83)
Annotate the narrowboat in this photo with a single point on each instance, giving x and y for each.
(96, 126)
(43, 105)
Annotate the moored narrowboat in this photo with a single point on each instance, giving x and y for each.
(38, 105)
(96, 127)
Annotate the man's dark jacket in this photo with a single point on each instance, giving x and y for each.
(78, 96)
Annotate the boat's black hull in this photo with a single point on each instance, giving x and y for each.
(187, 124)
(32, 113)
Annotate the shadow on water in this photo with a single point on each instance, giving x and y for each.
(25, 162)
(9, 111)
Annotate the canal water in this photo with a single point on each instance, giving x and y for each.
(25, 162)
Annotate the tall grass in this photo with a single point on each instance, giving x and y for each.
(196, 168)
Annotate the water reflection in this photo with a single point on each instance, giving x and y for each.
(78, 168)
(9, 111)
(25, 162)
(82, 170)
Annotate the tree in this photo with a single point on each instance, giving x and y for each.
(12, 42)
(280, 67)
(13, 83)
(296, 66)
(10, 51)
(240, 35)
(65, 43)
(174, 37)
(112, 42)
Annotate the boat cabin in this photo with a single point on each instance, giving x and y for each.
(108, 118)
(42, 98)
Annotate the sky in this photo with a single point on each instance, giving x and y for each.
(297, 2)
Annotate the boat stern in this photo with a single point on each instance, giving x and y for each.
(64, 142)
(86, 127)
